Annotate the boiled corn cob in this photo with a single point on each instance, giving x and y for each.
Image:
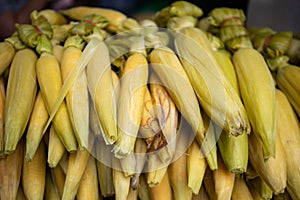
(20, 95)
(258, 94)
(56, 148)
(287, 81)
(288, 130)
(217, 97)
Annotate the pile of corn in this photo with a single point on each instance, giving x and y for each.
(97, 105)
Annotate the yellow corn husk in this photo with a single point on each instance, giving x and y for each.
(10, 173)
(34, 174)
(50, 82)
(236, 147)
(2, 103)
(100, 84)
(177, 170)
(130, 104)
(20, 194)
(63, 162)
(224, 181)
(114, 17)
(58, 52)
(7, 53)
(94, 123)
(274, 170)
(104, 168)
(76, 166)
(209, 184)
(214, 91)
(240, 190)
(53, 17)
(163, 190)
(50, 192)
(77, 99)
(258, 94)
(260, 189)
(140, 151)
(172, 75)
(88, 188)
(288, 130)
(56, 149)
(36, 124)
(196, 166)
(120, 181)
(156, 170)
(20, 96)
(287, 81)
(58, 178)
(143, 188)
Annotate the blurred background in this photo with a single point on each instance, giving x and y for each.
(277, 14)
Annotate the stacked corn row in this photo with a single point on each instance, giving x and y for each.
(106, 106)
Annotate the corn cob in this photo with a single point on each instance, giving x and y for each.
(58, 52)
(34, 174)
(177, 170)
(196, 166)
(121, 183)
(58, 178)
(101, 89)
(2, 102)
(7, 53)
(77, 98)
(50, 82)
(217, 97)
(224, 181)
(288, 130)
(274, 170)
(88, 188)
(163, 190)
(20, 96)
(50, 192)
(104, 168)
(169, 70)
(130, 105)
(114, 17)
(56, 148)
(258, 94)
(287, 81)
(10, 173)
(37, 122)
(240, 190)
(76, 167)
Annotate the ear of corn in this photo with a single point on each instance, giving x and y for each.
(77, 99)
(163, 190)
(287, 81)
(274, 170)
(20, 94)
(7, 52)
(34, 174)
(50, 82)
(102, 92)
(2, 102)
(240, 190)
(224, 181)
(10, 172)
(288, 130)
(130, 106)
(56, 148)
(36, 124)
(196, 166)
(217, 97)
(104, 158)
(258, 94)
(88, 188)
(156, 170)
(114, 17)
(172, 75)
